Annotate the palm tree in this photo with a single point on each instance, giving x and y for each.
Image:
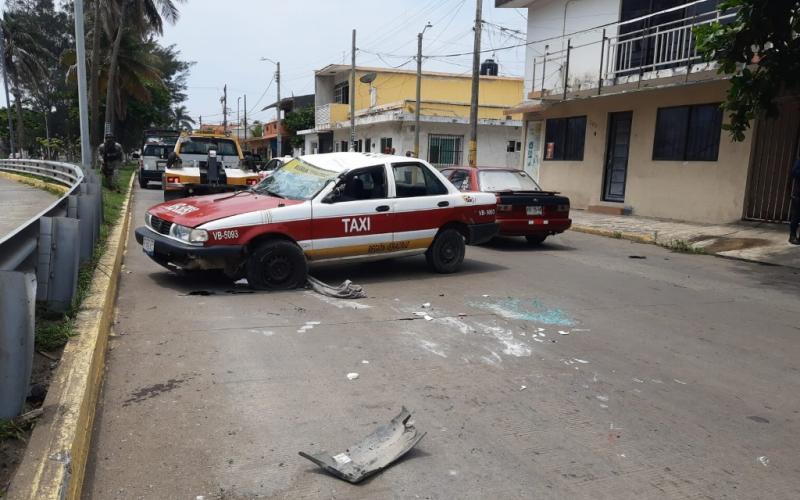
(25, 60)
(139, 16)
(181, 118)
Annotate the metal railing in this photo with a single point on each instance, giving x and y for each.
(39, 262)
(629, 51)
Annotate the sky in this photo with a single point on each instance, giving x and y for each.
(227, 39)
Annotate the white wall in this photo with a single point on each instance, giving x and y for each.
(546, 20)
(492, 140)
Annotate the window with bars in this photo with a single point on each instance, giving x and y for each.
(445, 149)
(688, 133)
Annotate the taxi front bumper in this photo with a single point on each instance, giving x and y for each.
(168, 249)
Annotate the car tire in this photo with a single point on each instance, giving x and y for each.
(446, 253)
(536, 239)
(276, 265)
(142, 182)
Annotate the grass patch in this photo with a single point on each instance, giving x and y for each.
(54, 330)
(617, 235)
(10, 429)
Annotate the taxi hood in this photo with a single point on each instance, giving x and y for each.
(192, 212)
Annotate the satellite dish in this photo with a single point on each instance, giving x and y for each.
(368, 78)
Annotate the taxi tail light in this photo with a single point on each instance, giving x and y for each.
(252, 182)
(173, 180)
(562, 208)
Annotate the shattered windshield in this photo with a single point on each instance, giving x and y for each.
(296, 180)
(505, 180)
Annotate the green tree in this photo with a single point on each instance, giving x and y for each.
(181, 119)
(257, 129)
(302, 119)
(760, 49)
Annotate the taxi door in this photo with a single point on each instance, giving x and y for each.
(422, 204)
(356, 219)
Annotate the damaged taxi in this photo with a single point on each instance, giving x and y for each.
(315, 208)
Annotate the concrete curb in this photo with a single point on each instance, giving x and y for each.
(55, 462)
(639, 238)
(37, 183)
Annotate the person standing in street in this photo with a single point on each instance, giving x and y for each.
(794, 210)
(111, 160)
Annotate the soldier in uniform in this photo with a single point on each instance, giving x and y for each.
(111, 160)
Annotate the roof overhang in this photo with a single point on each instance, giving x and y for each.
(533, 107)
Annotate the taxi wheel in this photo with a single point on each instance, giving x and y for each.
(276, 265)
(142, 183)
(536, 239)
(446, 253)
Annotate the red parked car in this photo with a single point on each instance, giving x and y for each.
(523, 208)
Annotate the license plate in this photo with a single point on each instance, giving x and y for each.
(161, 165)
(533, 210)
(148, 245)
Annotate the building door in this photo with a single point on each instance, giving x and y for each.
(616, 171)
(774, 149)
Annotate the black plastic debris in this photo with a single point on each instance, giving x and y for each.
(200, 293)
(637, 256)
(374, 453)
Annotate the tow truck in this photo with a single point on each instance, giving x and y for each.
(206, 163)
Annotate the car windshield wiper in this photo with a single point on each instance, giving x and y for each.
(273, 193)
(237, 193)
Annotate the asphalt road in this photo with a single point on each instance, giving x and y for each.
(679, 377)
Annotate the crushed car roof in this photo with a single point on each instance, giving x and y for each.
(341, 162)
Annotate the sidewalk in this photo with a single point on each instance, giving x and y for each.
(758, 242)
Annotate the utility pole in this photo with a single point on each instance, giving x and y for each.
(8, 101)
(83, 101)
(419, 89)
(353, 96)
(473, 108)
(225, 109)
(278, 108)
(245, 117)
(238, 119)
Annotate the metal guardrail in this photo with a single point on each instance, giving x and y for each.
(39, 262)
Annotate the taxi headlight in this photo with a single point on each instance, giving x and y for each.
(198, 236)
(148, 217)
(180, 232)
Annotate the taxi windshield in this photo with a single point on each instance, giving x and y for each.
(296, 180)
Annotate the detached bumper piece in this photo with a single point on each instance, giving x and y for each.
(481, 233)
(374, 453)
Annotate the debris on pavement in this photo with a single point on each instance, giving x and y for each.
(426, 305)
(563, 332)
(347, 290)
(374, 453)
(200, 293)
(352, 376)
(637, 256)
(364, 362)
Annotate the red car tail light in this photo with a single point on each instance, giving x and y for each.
(504, 208)
(562, 208)
(252, 182)
(173, 180)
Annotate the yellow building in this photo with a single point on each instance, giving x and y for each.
(385, 101)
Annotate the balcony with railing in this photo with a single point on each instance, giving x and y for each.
(652, 50)
(328, 115)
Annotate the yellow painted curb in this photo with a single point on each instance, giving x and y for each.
(613, 234)
(55, 462)
(37, 183)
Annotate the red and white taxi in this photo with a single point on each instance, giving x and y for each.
(319, 208)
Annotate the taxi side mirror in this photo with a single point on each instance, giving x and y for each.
(335, 195)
